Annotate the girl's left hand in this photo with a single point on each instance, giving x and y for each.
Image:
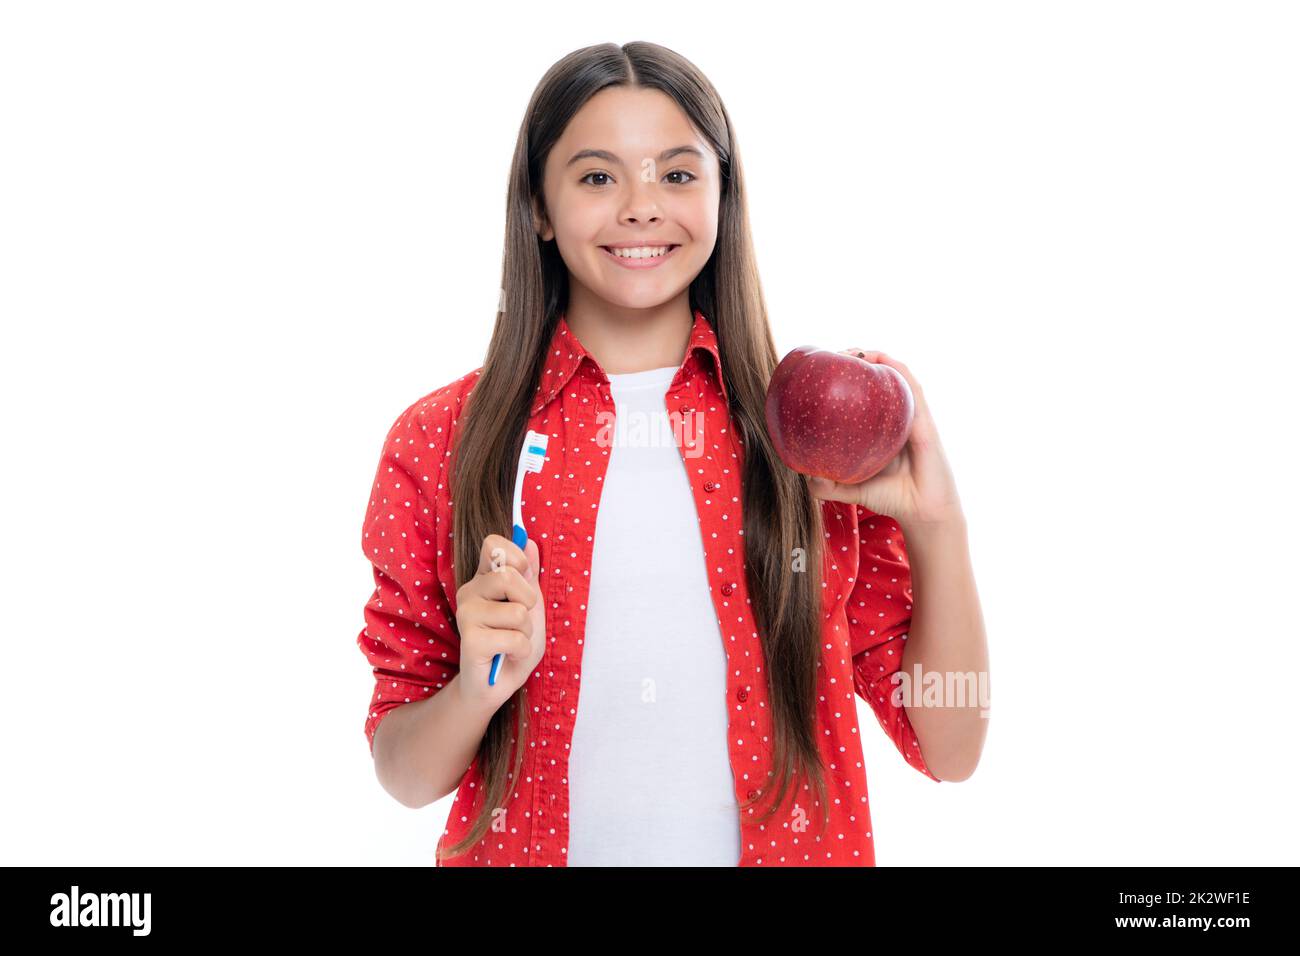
(917, 486)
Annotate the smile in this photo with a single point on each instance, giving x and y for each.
(640, 257)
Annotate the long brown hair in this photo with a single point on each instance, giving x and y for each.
(780, 514)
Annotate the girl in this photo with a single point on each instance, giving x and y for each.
(714, 611)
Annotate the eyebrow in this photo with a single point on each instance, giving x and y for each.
(609, 157)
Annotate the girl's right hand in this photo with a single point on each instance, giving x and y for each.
(500, 610)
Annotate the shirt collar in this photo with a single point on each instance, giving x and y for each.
(565, 356)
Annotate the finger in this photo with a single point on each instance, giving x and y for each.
(534, 557)
(880, 358)
(506, 615)
(498, 552)
(490, 641)
(874, 356)
(830, 490)
(506, 584)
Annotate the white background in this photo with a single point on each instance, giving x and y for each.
(237, 239)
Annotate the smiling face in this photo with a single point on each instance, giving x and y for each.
(630, 173)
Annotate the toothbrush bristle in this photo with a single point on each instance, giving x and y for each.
(535, 454)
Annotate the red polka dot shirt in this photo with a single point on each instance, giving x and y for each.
(410, 636)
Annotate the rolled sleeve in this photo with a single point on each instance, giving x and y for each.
(410, 636)
(879, 614)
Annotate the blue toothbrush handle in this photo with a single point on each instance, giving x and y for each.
(520, 538)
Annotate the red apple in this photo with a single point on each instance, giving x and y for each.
(836, 415)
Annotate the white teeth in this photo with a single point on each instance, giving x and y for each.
(640, 252)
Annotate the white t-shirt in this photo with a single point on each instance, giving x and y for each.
(650, 778)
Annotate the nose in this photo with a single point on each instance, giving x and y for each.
(641, 205)
(643, 217)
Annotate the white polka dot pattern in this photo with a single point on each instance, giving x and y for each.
(410, 634)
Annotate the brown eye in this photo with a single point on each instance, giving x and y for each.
(589, 175)
(681, 172)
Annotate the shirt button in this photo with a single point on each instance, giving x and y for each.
(710, 486)
(742, 694)
(687, 409)
(727, 589)
(752, 794)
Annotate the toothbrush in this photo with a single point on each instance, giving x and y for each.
(531, 458)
